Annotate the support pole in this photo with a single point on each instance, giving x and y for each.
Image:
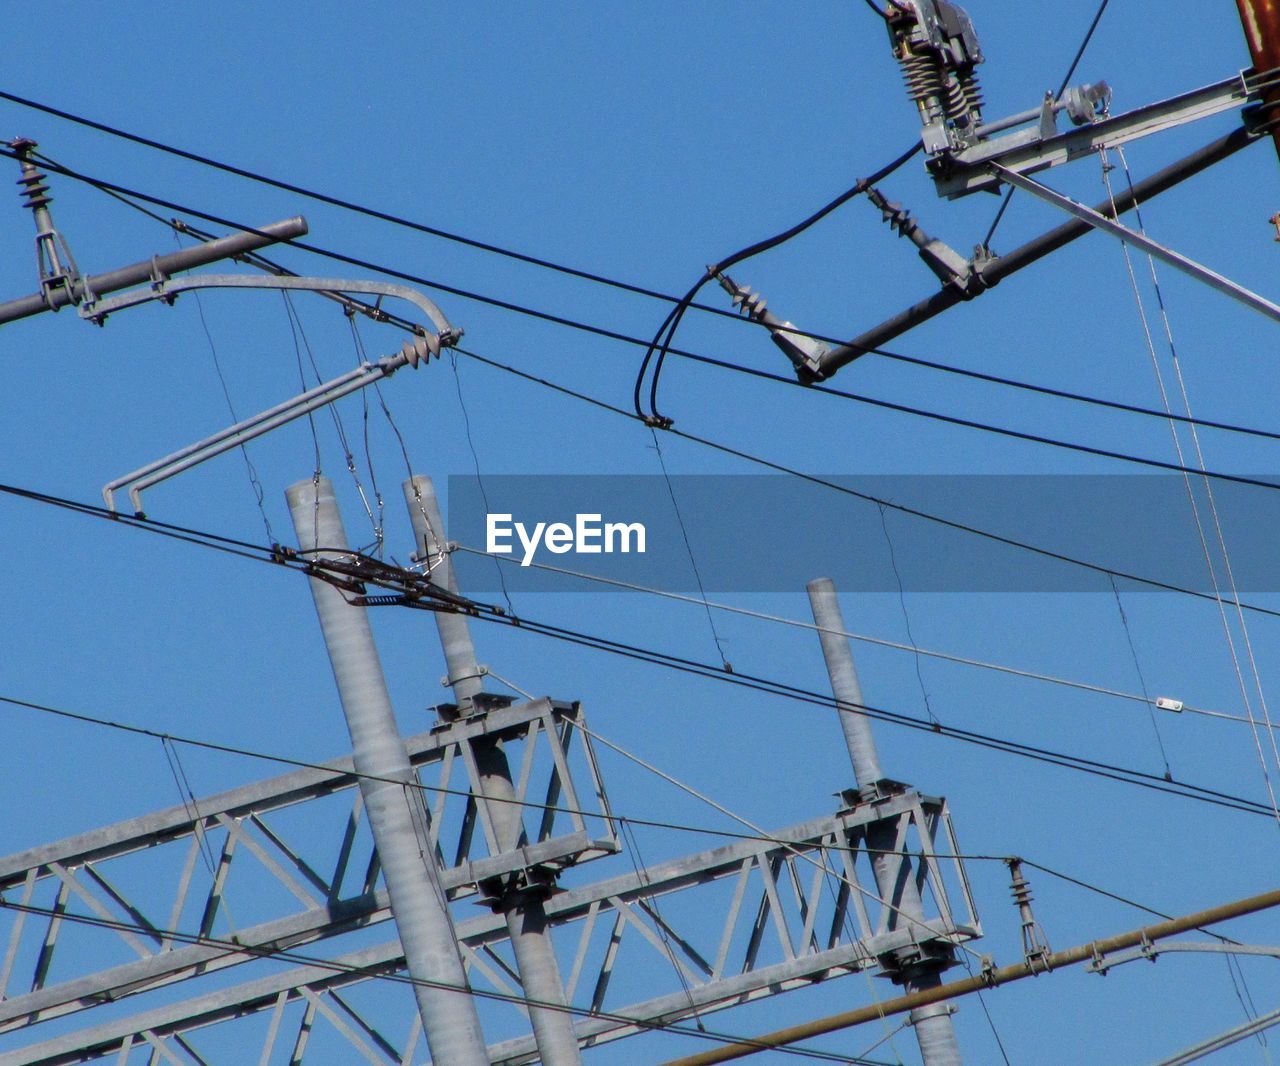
(396, 813)
(916, 969)
(519, 899)
(236, 244)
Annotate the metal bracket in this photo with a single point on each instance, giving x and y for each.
(411, 354)
(971, 169)
(164, 288)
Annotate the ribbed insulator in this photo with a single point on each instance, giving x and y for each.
(972, 92)
(1021, 891)
(35, 191)
(751, 304)
(957, 102)
(925, 81)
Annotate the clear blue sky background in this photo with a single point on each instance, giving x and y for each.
(643, 142)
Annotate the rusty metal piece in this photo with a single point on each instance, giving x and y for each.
(1261, 22)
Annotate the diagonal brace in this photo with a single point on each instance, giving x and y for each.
(1117, 229)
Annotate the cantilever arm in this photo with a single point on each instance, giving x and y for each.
(167, 288)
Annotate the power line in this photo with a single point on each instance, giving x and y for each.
(173, 739)
(170, 739)
(1071, 70)
(961, 660)
(689, 355)
(898, 357)
(661, 344)
(347, 205)
(960, 526)
(277, 556)
(986, 427)
(815, 479)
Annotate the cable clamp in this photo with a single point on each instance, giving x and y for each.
(988, 971)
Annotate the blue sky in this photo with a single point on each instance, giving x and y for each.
(642, 143)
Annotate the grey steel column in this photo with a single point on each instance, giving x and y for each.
(520, 904)
(396, 813)
(894, 879)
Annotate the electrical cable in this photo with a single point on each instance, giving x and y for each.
(688, 547)
(881, 642)
(801, 695)
(794, 850)
(475, 462)
(906, 615)
(815, 479)
(1062, 557)
(681, 664)
(649, 823)
(346, 205)
(271, 266)
(1142, 681)
(661, 342)
(255, 483)
(533, 805)
(967, 423)
(692, 356)
(1075, 62)
(1191, 499)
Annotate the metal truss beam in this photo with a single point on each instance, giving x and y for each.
(798, 915)
(83, 867)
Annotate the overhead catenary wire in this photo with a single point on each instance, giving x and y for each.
(534, 805)
(692, 356)
(121, 194)
(1191, 498)
(730, 449)
(194, 742)
(681, 664)
(1062, 88)
(739, 453)
(661, 344)
(270, 265)
(911, 647)
(847, 490)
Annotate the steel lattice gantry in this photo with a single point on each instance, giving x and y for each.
(796, 909)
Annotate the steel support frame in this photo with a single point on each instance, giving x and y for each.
(970, 170)
(85, 860)
(1001, 267)
(777, 870)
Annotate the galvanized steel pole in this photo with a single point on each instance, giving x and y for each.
(520, 904)
(934, 1031)
(156, 267)
(987, 979)
(396, 813)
